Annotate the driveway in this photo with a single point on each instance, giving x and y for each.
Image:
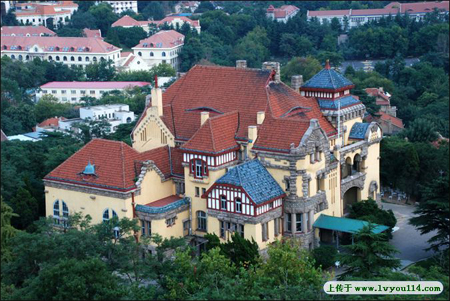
(407, 239)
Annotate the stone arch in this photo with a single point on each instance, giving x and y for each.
(373, 188)
(357, 163)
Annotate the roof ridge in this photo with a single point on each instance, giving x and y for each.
(212, 134)
(331, 78)
(123, 164)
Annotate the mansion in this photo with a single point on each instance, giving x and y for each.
(230, 149)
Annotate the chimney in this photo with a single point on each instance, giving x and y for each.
(296, 82)
(157, 100)
(203, 117)
(273, 66)
(241, 64)
(252, 133)
(327, 65)
(260, 117)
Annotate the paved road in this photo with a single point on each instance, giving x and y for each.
(370, 64)
(407, 239)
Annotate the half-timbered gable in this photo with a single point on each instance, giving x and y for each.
(246, 189)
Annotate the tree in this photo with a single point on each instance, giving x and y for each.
(7, 231)
(48, 106)
(307, 67)
(154, 10)
(86, 131)
(324, 256)
(204, 7)
(369, 211)
(421, 130)
(433, 212)
(27, 205)
(23, 114)
(335, 58)
(72, 279)
(368, 255)
(241, 251)
(104, 16)
(9, 19)
(82, 20)
(253, 47)
(103, 71)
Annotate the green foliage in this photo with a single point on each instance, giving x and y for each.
(324, 256)
(7, 230)
(368, 255)
(204, 7)
(253, 48)
(433, 212)
(369, 211)
(48, 106)
(100, 71)
(27, 205)
(125, 37)
(9, 19)
(307, 67)
(154, 10)
(104, 16)
(421, 130)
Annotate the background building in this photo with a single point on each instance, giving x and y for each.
(282, 14)
(127, 22)
(121, 6)
(162, 47)
(47, 13)
(67, 50)
(26, 31)
(72, 92)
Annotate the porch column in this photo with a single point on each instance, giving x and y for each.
(304, 224)
(311, 219)
(293, 223)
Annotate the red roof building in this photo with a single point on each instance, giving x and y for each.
(282, 14)
(127, 21)
(3, 136)
(41, 13)
(49, 124)
(26, 31)
(92, 33)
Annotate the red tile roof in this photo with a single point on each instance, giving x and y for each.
(40, 10)
(92, 33)
(116, 165)
(51, 121)
(222, 90)
(423, 7)
(375, 11)
(164, 201)
(378, 93)
(125, 53)
(169, 19)
(283, 11)
(126, 21)
(394, 120)
(3, 136)
(93, 45)
(162, 39)
(319, 13)
(215, 135)
(129, 60)
(94, 85)
(24, 30)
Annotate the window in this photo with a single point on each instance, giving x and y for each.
(276, 223)
(140, 53)
(288, 222)
(72, 58)
(197, 191)
(106, 215)
(53, 91)
(238, 205)
(163, 54)
(65, 210)
(203, 191)
(116, 232)
(170, 221)
(222, 229)
(201, 221)
(223, 202)
(83, 92)
(80, 58)
(92, 92)
(265, 231)
(74, 99)
(56, 212)
(44, 91)
(311, 158)
(64, 58)
(240, 230)
(64, 98)
(198, 168)
(57, 58)
(87, 59)
(152, 54)
(317, 154)
(63, 91)
(298, 222)
(73, 91)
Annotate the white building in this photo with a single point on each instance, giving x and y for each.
(67, 50)
(282, 14)
(45, 12)
(121, 6)
(357, 17)
(72, 92)
(162, 47)
(114, 114)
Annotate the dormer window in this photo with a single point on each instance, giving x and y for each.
(199, 168)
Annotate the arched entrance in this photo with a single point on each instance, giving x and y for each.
(351, 196)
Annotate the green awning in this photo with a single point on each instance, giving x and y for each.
(342, 224)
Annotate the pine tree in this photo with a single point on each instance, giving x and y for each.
(433, 214)
(368, 255)
(7, 231)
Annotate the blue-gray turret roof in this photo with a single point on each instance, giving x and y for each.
(358, 130)
(254, 178)
(328, 78)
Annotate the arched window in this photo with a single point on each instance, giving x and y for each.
(163, 54)
(56, 208)
(5, 47)
(27, 57)
(72, 58)
(102, 59)
(64, 58)
(106, 215)
(140, 53)
(57, 58)
(50, 58)
(201, 220)
(94, 59)
(87, 59)
(238, 202)
(65, 210)
(20, 57)
(152, 54)
(13, 57)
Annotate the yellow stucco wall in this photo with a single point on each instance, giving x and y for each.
(372, 169)
(153, 189)
(154, 129)
(82, 202)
